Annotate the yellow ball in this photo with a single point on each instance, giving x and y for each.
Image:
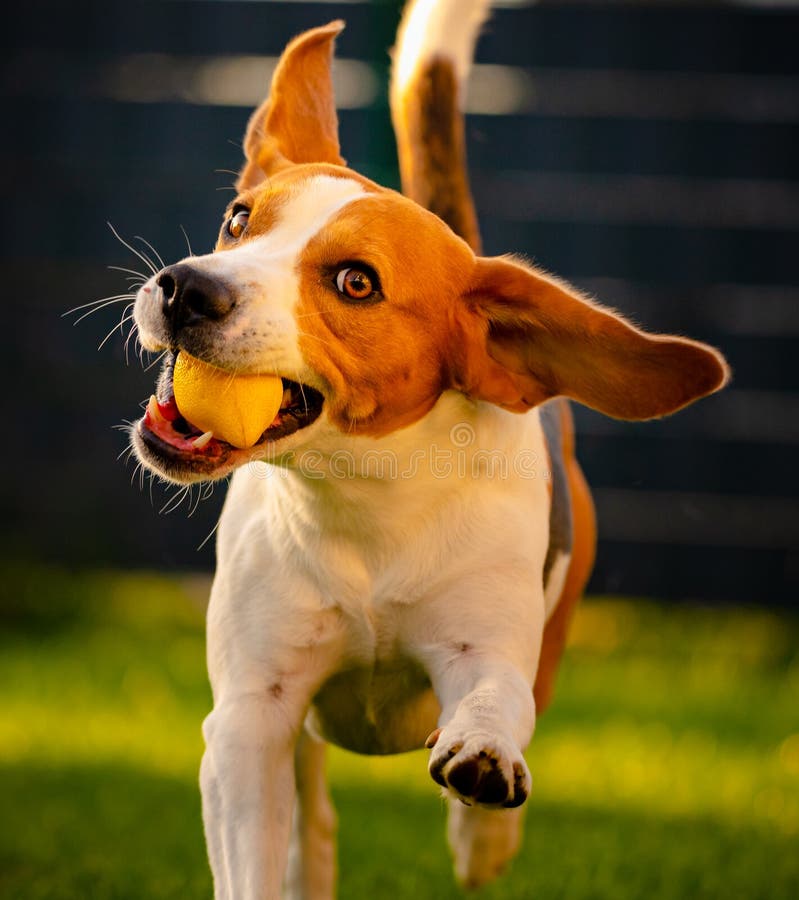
(236, 408)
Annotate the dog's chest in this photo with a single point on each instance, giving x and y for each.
(385, 707)
(380, 700)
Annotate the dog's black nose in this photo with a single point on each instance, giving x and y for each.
(190, 295)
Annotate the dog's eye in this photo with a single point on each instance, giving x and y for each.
(237, 223)
(357, 283)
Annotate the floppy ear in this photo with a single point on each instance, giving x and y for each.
(529, 336)
(297, 122)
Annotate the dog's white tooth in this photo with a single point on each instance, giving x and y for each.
(152, 408)
(202, 440)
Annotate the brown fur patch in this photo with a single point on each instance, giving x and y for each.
(386, 361)
(297, 123)
(264, 204)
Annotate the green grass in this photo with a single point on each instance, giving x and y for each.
(667, 768)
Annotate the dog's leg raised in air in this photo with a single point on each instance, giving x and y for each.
(431, 65)
(487, 719)
(311, 873)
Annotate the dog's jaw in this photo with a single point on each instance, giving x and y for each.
(176, 450)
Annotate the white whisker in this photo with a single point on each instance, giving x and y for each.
(188, 242)
(314, 337)
(127, 316)
(134, 329)
(156, 254)
(132, 272)
(298, 380)
(197, 502)
(175, 500)
(316, 312)
(98, 304)
(208, 537)
(146, 260)
(157, 360)
(135, 473)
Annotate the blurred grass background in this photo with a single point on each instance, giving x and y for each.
(667, 768)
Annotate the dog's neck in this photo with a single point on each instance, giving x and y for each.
(458, 455)
(443, 501)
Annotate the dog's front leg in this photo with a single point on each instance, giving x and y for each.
(482, 666)
(264, 674)
(487, 720)
(247, 782)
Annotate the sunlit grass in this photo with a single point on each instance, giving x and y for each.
(668, 766)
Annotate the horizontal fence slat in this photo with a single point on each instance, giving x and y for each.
(699, 519)
(752, 575)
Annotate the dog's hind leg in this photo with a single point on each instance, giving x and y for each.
(483, 841)
(311, 873)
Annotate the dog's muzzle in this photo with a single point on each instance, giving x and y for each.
(190, 296)
(190, 304)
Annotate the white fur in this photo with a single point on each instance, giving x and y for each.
(437, 29)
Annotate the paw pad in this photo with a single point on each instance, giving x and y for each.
(478, 775)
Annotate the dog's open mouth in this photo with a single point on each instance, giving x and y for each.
(173, 440)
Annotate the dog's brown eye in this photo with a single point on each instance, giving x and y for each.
(237, 223)
(357, 284)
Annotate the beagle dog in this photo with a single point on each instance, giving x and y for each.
(401, 551)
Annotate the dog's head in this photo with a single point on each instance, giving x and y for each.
(369, 307)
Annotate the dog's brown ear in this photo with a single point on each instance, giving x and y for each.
(529, 336)
(297, 122)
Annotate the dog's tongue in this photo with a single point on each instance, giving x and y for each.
(235, 408)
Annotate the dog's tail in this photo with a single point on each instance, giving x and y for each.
(431, 64)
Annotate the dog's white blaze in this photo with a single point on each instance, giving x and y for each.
(299, 220)
(268, 263)
(309, 209)
(437, 28)
(262, 333)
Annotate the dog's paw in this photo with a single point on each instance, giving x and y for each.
(479, 768)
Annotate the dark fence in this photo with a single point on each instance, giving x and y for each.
(648, 153)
